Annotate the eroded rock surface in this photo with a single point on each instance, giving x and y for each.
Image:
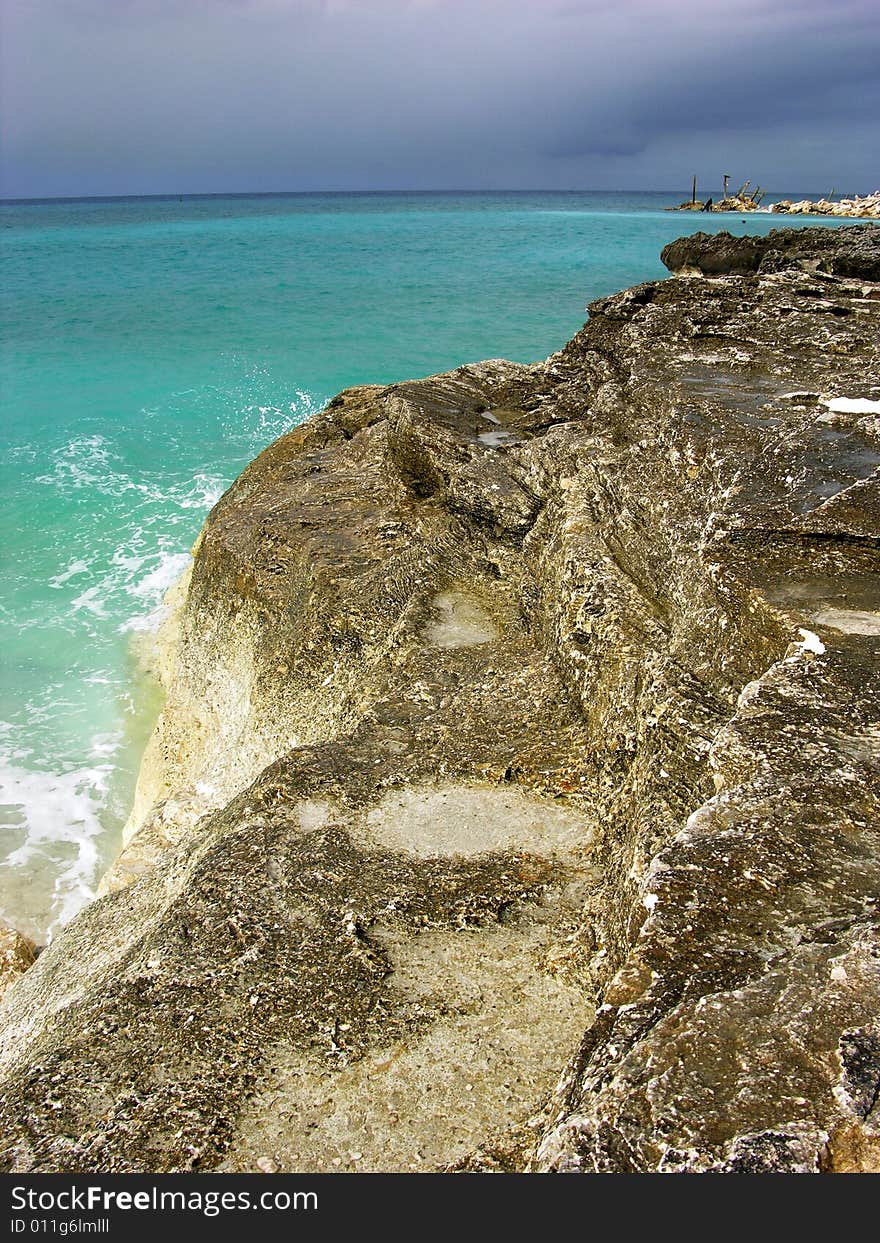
(515, 801)
(850, 252)
(17, 954)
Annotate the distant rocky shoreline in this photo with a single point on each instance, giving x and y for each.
(867, 207)
(858, 207)
(514, 806)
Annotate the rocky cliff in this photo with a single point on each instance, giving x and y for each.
(515, 800)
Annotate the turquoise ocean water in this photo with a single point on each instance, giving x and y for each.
(150, 348)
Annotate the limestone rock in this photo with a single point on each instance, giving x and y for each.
(515, 800)
(865, 206)
(853, 252)
(17, 953)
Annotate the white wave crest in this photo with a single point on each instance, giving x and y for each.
(58, 814)
(76, 567)
(152, 587)
(204, 493)
(92, 601)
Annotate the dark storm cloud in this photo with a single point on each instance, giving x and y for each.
(729, 80)
(140, 96)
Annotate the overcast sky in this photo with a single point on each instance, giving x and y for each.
(186, 96)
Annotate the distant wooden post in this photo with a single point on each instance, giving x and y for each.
(694, 195)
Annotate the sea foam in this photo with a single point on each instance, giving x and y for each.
(57, 817)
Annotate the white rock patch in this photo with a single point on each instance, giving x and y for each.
(314, 814)
(469, 820)
(851, 405)
(494, 440)
(849, 621)
(460, 622)
(810, 642)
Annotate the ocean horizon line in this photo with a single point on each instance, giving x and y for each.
(179, 196)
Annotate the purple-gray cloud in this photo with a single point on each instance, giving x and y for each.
(152, 96)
